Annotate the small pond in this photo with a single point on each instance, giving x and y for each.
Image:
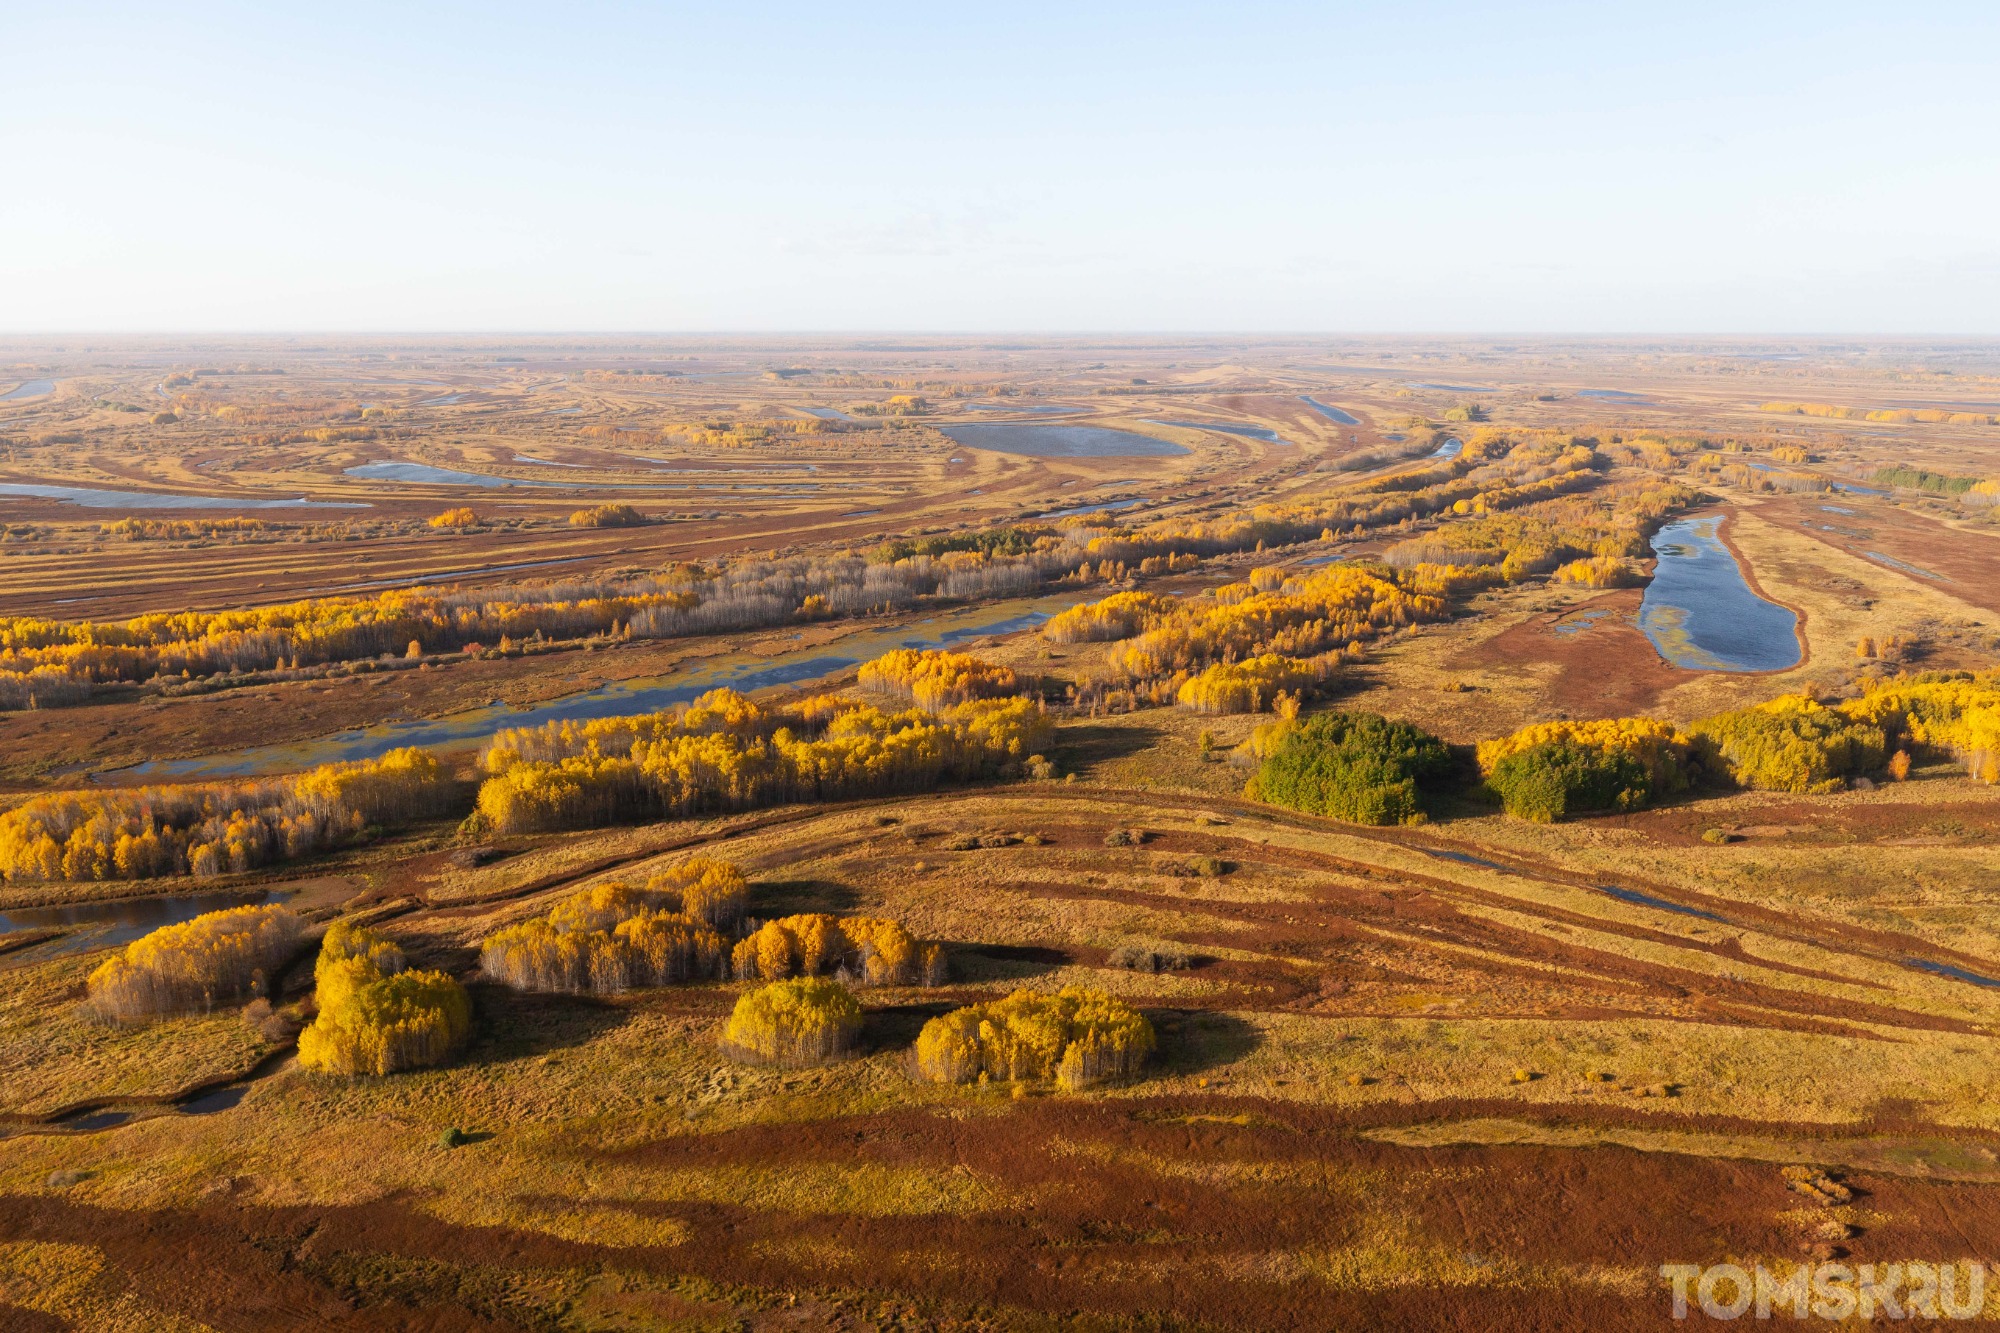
(1701, 613)
(1039, 441)
(32, 389)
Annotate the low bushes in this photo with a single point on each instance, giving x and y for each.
(1139, 958)
(216, 958)
(1076, 1037)
(1355, 766)
(375, 1017)
(872, 950)
(802, 1021)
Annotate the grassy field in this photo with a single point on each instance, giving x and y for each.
(1476, 1072)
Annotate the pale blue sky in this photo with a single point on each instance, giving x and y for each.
(1441, 167)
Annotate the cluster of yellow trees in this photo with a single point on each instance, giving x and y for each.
(1610, 525)
(216, 958)
(1251, 685)
(792, 1023)
(1952, 713)
(874, 951)
(207, 829)
(455, 519)
(678, 927)
(1239, 646)
(1793, 743)
(1119, 616)
(608, 516)
(1076, 1037)
(1897, 414)
(375, 1016)
(733, 754)
(1663, 750)
(936, 680)
(613, 936)
(1598, 571)
(338, 629)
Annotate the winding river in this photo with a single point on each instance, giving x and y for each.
(739, 671)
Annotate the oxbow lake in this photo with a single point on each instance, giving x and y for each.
(1701, 613)
(1035, 440)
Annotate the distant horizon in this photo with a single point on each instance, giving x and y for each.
(1051, 334)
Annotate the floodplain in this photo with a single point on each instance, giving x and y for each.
(1466, 921)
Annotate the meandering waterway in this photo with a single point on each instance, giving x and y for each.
(740, 671)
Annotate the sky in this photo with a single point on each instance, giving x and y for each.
(1600, 167)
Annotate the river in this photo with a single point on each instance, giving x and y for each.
(740, 671)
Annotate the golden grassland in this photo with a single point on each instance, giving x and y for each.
(589, 1118)
(1402, 1074)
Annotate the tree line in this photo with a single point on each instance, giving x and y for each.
(214, 828)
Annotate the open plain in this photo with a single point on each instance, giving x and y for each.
(1484, 1048)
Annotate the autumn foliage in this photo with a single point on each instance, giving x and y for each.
(1076, 1037)
(207, 829)
(1253, 685)
(802, 1021)
(935, 680)
(607, 516)
(866, 950)
(614, 936)
(216, 958)
(375, 1017)
(1794, 743)
(1119, 616)
(1550, 770)
(724, 752)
